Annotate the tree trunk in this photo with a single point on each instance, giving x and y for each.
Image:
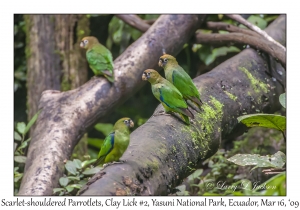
(66, 116)
(74, 63)
(43, 62)
(52, 54)
(163, 151)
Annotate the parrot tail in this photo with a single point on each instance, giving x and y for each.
(99, 161)
(109, 78)
(197, 101)
(185, 119)
(187, 112)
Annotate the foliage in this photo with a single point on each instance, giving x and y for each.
(78, 172)
(19, 52)
(282, 100)
(76, 176)
(20, 145)
(264, 120)
(276, 161)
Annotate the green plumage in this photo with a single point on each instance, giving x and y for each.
(99, 57)
(116, 143)
(180, 79)
(167, 94)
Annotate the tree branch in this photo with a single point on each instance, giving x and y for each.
(135, 21)
(237, 38)
(231, 28)
(249, 25)
(66, 116)
(163, 151)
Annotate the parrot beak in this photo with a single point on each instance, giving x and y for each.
(131, 124)
(160, 64)
(82, 44)
(144, 77)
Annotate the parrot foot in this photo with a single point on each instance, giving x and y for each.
(115, 162)
(162, 113)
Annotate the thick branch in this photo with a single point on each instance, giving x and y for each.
(237, 38)
(135, 21)
(66, 116)
(228, 27)
(249, 25)
(150, 22)
(163, 151)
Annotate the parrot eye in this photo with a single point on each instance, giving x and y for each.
(126, 121)
(85, 41)
(166, 59)
(148, 73)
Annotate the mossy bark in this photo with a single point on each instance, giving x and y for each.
(70, 29)
(163, 151)
(66, 116)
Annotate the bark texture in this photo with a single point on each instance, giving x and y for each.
(43, 62)
(66, 116)
(70, 29)
(163, 150)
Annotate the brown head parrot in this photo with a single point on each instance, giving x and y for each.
(99, 57)
(180, 79)
(116, 143)
(167, 94)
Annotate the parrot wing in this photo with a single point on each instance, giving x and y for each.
(106, 148)
(184, 83)
(169, 95)
(100, 61)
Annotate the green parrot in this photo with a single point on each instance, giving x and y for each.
(116, 142)
(167, 94)
(180, 79)
(99, 57)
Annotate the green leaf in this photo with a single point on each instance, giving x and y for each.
(264, 120)
(17, 136)
(63, 181)
(55, 190)
(77, 163)
(31, 122)
(20, 159)
(87, 162)
(195, 174)
(18, 176)
(73, 178)
(182, 190)
(276, 185)
(69, 188)
(105, 128)
(256, 20)
(71, 167)
(21, 127)
(275, 161)
(15, 146)
(82, 182)
(24, 144)
(92, 171)
(78, 186)
(16, 169)
(282, 100)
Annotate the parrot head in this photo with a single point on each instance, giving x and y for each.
(166, 58)
(125, 121)
(88, 42)
(150, 75)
